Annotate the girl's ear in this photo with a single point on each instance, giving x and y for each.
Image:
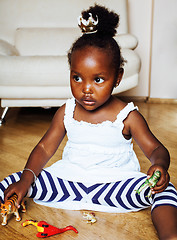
(119, 77)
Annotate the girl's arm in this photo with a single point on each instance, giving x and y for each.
(153, 149)
(40, 155)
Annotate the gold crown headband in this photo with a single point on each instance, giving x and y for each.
(88, 26)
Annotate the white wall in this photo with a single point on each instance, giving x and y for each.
(140, 25)
(158, 80)
(164, 50)
(49, 13)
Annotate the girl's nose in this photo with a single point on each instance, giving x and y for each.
(87, 89)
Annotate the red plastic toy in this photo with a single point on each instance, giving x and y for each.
(45, 229)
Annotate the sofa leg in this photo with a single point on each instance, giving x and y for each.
(3, 115)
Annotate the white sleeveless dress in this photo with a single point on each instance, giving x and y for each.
(96, 153)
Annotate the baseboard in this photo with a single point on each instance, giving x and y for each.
(162, 100)
(133, 98)
(147, 99)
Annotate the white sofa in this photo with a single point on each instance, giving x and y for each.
(34, 39)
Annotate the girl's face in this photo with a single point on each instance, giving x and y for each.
(92, 77)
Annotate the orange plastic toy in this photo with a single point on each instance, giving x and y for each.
(45, 229)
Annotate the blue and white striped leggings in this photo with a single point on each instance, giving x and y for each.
(119, 194)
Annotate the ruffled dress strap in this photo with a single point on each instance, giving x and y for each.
(125, 111)
(69, 110)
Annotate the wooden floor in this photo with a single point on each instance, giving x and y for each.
(23, 129)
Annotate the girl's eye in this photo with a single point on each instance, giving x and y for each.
(99, 80)
(77, 78)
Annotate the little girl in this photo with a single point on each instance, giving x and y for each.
(99, 169)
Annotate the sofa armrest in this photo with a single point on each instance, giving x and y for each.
(7, 49)
(126, 41)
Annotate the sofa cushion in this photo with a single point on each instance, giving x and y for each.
(7, 49)
(49, 70)
(45, 41)
(34, 71)
(126, 41)
(57, 41)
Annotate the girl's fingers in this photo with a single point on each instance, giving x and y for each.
(162, 184)
(19, 200)
(7, 194)
(163, 181)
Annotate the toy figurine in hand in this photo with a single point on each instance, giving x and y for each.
(45, 229)
(10, 207)
(150, 182)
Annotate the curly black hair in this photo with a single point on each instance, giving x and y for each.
(106, 29)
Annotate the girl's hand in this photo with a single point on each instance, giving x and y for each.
(20, 188)
(163, 181)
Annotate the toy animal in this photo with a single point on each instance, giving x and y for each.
(90, 217)
(151, 182)
(9, 207)
(45, 229)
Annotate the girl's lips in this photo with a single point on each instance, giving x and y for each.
(89, 102)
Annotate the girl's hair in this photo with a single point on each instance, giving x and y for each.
(103, 37)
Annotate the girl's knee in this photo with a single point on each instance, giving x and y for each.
(165, 221)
